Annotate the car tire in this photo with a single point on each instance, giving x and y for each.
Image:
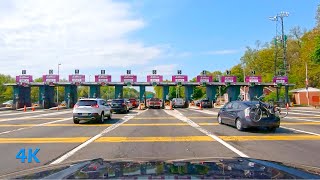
(239, 125)
(76, 121)
(219, 119)
(101, 119)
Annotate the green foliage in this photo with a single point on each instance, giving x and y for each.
(6, 92)
(273, 96)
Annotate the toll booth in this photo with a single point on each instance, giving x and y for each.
(255, 91)
(70, 95)
(142, 93)
(188, 91)
(211, 91)
(21, 96)
(94, 91)
(118, 91)
(233, 92)
(46, 96)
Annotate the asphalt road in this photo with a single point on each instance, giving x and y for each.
(154, 133)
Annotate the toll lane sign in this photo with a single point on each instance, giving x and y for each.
(280, 80)
(179, 78)
(50, 78)
(253, 79)
(154, 78)
(129, 78)
(102, 78)
(24, 79)
(204, 78)
(77, 78)
(229, 79)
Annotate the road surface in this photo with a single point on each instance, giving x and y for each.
(153, 133)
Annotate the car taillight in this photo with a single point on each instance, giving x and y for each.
(247, 112)
(95, 106)
(76, 106)
(123, 104)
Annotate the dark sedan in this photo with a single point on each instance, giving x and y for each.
(237, 113)
(119, 106)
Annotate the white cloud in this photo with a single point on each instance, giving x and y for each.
(37, 35)
(222, 52)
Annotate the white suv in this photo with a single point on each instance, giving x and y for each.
(91, 109)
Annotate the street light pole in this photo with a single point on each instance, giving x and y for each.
(58, 86)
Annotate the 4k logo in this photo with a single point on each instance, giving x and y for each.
(30, 155)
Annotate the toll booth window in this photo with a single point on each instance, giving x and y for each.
(87, 103)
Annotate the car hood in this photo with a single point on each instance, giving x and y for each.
(195, 168)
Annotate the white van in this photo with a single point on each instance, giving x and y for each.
(178, 102)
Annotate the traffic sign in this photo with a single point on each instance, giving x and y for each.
(103, 71)
(102, 78)
(76, 71)
(129, 78)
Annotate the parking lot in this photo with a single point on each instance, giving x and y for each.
(154, 133)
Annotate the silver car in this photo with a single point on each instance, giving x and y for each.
(91, 109)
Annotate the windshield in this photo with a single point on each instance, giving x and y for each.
(159, 79)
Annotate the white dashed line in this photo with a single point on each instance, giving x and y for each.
(181, 117)
(110, 128)
(298, 130)
(15, 130)
(35, 116)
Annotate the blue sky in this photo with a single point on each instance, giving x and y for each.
(166, 35)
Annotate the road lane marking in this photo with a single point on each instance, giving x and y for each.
(160, 139)
(180, 116)
(35, 116)
(36, 125)
(165, 117)
(311, 117)
(92, 139)
(205, 111)
(207, 138)
(38, 118)
(17, 113)
(290, 112)
(298, 130)
(139, 125)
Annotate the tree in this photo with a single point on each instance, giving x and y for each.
(6, 93)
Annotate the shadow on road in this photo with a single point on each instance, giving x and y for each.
(106, 121)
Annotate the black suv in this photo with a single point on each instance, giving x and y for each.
(119, 106)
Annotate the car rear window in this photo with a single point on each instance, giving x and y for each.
(250, 103)
(154, 99)
(87, 103)
(205, 100)
(118, 101)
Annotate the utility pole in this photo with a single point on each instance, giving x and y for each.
(58, 86)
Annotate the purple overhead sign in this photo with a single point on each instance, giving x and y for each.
(102, 78)
(253, 79)
(52, 78)
(77, 78)
(204, 78)
(24, 79)
(280, 79)
(129, 78)
(179, 78)
(229, 79)
(154, 78)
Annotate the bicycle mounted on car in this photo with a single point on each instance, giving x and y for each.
(268, 109)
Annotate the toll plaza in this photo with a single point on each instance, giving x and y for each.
(22, 87)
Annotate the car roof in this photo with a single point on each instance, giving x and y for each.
(248, 103)
(91, 99)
